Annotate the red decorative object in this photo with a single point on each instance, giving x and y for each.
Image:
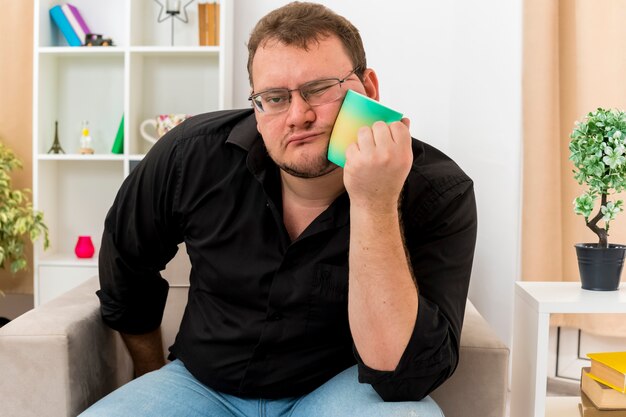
(84, 247)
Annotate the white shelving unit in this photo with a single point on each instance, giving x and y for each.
(139, 77)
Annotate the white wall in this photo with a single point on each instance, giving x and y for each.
(454, 68)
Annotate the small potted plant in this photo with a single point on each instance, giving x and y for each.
(598, 151)
(18, 221)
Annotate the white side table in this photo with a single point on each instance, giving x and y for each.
(534, 302)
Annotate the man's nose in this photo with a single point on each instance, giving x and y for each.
(300, 111)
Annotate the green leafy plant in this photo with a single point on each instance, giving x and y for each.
(18, 221)
(598, 151)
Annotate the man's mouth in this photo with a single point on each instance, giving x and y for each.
(302, 138)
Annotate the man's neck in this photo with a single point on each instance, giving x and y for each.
(306, 198)
(313, 192)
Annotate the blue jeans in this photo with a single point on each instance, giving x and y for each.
(172, 392)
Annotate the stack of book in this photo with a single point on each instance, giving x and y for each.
(603, 386)
(71, 24)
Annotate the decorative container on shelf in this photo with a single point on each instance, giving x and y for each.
(84, 247)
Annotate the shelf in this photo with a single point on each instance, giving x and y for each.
(116, 50)
(67, 259)
(78, 157)
(75, 196)
(106, 18)
(171, 83)
(81, 50)
(76, 87)
(147, 31)
(176, 50)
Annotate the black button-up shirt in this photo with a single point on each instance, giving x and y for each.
(267, 316)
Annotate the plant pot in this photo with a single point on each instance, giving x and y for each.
(600, 268)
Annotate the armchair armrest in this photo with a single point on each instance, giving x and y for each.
(479, 385)
(59, 358)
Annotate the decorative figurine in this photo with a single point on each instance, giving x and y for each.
(95, 39)
(56, 145)
(173, 9)
(85, 140)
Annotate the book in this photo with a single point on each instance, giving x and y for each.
(602, 396)
(209, 24)
(587, 409)
(356, 111)
(58, 17)
(76, 21)
(609, 368)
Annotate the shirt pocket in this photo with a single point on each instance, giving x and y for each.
(328, 301)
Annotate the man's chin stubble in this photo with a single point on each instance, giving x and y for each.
(298, 172)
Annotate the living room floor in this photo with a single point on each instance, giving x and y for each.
(557, 387)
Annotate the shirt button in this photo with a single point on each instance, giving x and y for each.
(275, 316)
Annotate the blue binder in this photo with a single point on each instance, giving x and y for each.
(57, 15)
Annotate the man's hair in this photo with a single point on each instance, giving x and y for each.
(300, 23)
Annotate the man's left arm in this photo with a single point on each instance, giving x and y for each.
(407, 344)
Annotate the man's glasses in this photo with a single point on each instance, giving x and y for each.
(315, 93)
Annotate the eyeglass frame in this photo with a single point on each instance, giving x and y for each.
(340, 81)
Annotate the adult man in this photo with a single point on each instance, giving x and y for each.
(300, 269)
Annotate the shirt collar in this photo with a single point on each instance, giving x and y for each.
(244, 134)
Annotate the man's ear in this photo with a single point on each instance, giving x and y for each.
(370, 82)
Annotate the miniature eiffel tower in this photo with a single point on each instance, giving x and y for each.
(56, 145)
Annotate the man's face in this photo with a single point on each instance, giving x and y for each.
(297, 139)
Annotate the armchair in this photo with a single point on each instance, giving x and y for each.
(59, 358)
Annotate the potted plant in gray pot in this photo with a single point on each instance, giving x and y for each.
(598, 151)
(18, 222)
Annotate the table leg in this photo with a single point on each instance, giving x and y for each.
(530, 357)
